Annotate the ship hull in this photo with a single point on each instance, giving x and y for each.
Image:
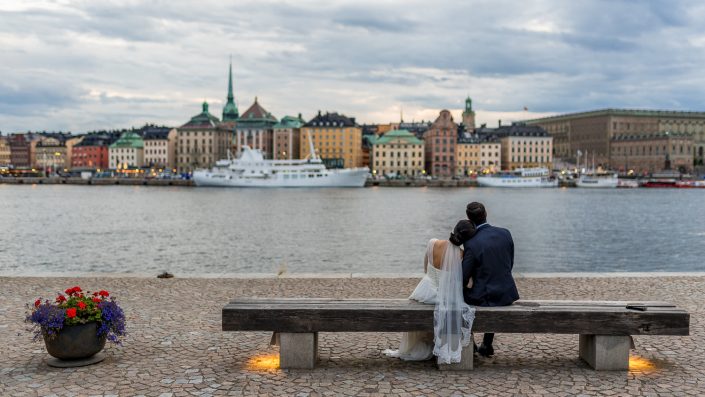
(353, 177)
(597, 183)
(523, 182)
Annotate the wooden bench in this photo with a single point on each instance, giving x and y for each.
(604, 327)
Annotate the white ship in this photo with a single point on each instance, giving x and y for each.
(521, 177)
(252, 170)
(598, 180)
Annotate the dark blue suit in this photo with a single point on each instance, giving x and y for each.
(489, 259)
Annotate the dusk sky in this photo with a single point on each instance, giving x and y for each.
(84, 65)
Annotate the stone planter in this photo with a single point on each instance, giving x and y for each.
(75, 345)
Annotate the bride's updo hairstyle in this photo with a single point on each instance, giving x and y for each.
(464, 230)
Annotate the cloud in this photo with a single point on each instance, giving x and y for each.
(84, 65)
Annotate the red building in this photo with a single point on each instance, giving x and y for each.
(21, 150)
(440, 140)
(91, 153)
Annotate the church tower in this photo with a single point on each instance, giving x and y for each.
(230, 112)
(469, 116)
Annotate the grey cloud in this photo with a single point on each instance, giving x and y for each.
(354, 57)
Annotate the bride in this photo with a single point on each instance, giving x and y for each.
(441, 285)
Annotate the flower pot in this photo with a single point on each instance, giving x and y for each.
(75, 342)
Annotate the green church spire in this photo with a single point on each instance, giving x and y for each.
(230, 112)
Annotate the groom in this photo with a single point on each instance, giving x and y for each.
(488, 260)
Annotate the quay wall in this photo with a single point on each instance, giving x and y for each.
(183, 182)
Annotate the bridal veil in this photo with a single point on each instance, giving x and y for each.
(452, 317)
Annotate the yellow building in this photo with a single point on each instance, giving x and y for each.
(337, 140)
(398, 152)
(475, 156)
(525, 147)
(4, 151)
(51, 155)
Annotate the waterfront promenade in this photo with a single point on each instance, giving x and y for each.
(175, 345)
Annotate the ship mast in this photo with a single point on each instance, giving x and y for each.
(311, 149)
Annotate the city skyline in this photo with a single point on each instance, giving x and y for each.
(83, 66)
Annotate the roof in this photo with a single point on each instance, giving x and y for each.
(256, 115)
(129, 140)
(202, 120)
(331, 120)
(290, 122)
(521, 129)
(397, 134)
(620, 112)
(150, 134)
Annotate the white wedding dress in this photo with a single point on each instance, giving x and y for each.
(453, 318)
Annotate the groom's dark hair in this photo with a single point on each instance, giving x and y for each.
(476, 213)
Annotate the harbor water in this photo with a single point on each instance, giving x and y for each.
(211, 231)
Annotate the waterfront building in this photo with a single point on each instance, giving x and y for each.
(92, 152)
(5, 157)
(255, 128)
(287, 138)
(440, 140)
(594, 131)
(649, 153)
(469, 116)
(159, 147)
(336, 138)
(397, 152)
(525, 146)
(51, 155)
(477, 154)
(22, 150)
(200, 143)
(126, 152)
(70, 142)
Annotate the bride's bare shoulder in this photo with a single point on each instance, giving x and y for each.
(440, 243)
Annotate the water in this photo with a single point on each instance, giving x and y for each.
(121, 229)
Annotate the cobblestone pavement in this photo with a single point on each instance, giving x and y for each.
(176, 347)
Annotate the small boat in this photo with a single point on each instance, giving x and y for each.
(520, 177)
(598, 180)
(627, 183)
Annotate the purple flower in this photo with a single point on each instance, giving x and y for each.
(46, 319)
(112, 323)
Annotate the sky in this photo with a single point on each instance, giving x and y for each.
(87, 65)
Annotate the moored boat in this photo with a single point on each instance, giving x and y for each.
(598, 180)
(252, 170)
(521, 177)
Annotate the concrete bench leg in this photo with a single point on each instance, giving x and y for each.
(605, 352)
(465, 364)
(298, 350)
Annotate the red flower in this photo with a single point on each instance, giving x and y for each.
(96, 300)
(71, 313)
(95, 294)
(37, 302)
(69, 291)
(77, 289)
(103, 293)
(60, 299)
(81, 305)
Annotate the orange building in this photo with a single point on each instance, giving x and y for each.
(336, 138)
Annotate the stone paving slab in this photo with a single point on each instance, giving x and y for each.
(176, 347)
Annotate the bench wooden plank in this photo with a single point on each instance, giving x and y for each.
(402, 302)
(396, 315)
